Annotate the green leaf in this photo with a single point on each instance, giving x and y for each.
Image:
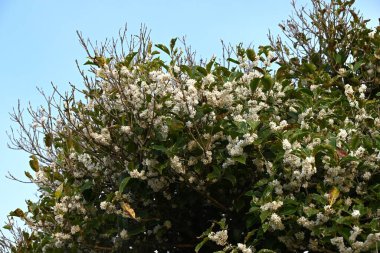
(265, 227)
(249, 235)
(210, 64)
(123, 184)
(214, 174)
(345, 220)
(28, 175)
(264, 215)
(338, 58)
(262, 182)
(186, 69)
(231, 178)
(305, 91)
(58, 191)
(309, 68)
(253, 124)
(172, 44)
(48, 139)
(357, 65)
(267, 82)
(254, 83)
(290, 206)
(159, 148)
(17, 213)
(175, 125)
(87, 185)
(34, 163)
(225, 71)
(201, 70)
(129, 58)
(200, 245)
(135, 229)
(251, 54)
(163, 48)
(89, 63)
(233, 60)
(260, 70)
(240, 159)
(309, 211)
(8, 227)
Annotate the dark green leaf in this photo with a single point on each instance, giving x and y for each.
(89, 63)
(172, 44)
(267, 82)
(210, 64)
(233, 60)
(163, 48)
(241, 159)
(264, 215)
(201, 70)
(200, 245)
(123, 184)
(28, 175)
(8, 227)
(231, 178)
(254, 83)
(251, 54)
(48, 139)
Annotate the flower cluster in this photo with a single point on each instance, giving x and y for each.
(154, 154)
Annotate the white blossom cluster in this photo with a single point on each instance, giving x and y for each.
(220, 237)
(222, 124)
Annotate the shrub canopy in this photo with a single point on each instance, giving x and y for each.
(175, 156)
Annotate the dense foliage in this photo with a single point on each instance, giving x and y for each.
(172, 156)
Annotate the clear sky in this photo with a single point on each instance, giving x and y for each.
(38, 44)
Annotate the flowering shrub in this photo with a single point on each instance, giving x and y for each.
(176, 157)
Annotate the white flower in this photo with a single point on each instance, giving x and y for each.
(177, 165)
(124, 234)
(274, 205)
(342, 134)
(125, 129)
(286, 144)
(176, 69)
(348, 90)
(275, 222)
(367, 175)
(359, 152)
(362, 88)
(75, 229)
(355, 213)
(209, 79)
(313, 87)
(244, 248)
(354, 233)
(137, 174)
(342, 72)
(103, 205)
(219, 237)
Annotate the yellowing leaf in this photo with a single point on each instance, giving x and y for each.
(58, 191)
(333, 195)
(128, 209)
(17, 213)
(34, 163)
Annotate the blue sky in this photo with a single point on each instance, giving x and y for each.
(39, 45)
